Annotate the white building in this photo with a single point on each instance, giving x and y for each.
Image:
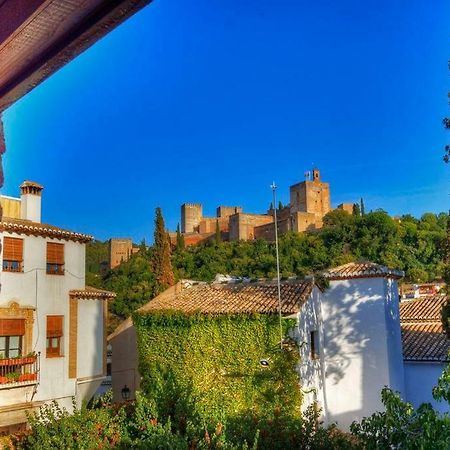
(349, 336)
(52, 327)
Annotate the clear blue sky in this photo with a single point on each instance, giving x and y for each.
(209, 101)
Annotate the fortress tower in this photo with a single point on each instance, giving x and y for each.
(312, 197)
(191, 216)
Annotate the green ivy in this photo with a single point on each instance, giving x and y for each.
(206, 370)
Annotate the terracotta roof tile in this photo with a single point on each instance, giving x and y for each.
(361, 270)
(28, 227)
(422, 309)
(423, 336)
(245, 298)
(90, 292)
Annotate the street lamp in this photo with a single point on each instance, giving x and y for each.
(273, 186)
(126, 393)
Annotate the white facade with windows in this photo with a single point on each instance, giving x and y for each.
(52, 328)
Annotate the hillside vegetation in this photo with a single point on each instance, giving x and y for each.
(413, 245)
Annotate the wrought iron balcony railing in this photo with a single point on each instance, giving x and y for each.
(20, 371)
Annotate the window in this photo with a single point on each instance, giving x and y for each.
(54, 336)
(12, 254)
(55, 258)
(11, 332)
(314, 341)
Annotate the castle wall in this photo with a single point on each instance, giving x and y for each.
(242, 226)
(347, 207)
(191, 216)
(208, 224)
(119, 250)
(227, 211)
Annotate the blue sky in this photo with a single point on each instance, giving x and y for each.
(209, 101)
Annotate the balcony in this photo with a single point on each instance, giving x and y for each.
(21, 371)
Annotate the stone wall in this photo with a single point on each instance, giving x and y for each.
(242, 225)
(191, 216)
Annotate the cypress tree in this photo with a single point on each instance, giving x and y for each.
(180, 240)
(280, 205)
(218, 234)
(356, 209)
(271, 206)
(363, 211)
(161, 256)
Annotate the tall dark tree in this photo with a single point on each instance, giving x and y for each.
(180, 245)
(363, 211)
(271, 206)
(218, 237)
(356, 210)
(161, 255)
(280, 205)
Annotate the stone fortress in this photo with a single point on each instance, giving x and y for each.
(309, 202)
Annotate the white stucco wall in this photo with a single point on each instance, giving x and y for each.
(420, 378)
(49, 295)
(311, 370)
(90, 338)
(361, 342)
(30, 207)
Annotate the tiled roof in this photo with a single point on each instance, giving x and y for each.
(245, 297)
(28, 227)
(361, 270)
(422, 309)
(423, 337)
(90, 292)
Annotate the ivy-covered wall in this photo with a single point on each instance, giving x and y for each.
(207, 368)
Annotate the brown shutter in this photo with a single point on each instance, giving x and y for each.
(55, 253)
(12, 249)
(12, 327)
(54, 326)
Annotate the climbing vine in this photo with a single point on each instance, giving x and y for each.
(226, 369)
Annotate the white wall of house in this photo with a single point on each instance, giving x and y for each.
(49, 295)
(359, 347)
(420, 377)
(311, 370)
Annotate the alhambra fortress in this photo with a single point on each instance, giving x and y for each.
(309, 202)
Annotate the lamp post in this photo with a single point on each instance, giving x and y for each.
(273, 186)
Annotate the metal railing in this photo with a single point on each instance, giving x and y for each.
(21, 371)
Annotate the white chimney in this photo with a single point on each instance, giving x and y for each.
(30, 201)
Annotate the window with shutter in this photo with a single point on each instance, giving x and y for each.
(12, 254)
(55, 258)
(11, 334)
(54, 336)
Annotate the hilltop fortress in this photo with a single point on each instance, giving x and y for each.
(309, 202)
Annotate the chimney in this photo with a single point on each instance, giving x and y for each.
(30, 201)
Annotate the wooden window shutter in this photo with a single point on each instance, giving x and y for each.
(54, 326)
(12, 249)
(12, 327)
(55, 253)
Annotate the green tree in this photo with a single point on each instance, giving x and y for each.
(363, 210)
(161, 255)
(180, 245)
(280, 205)
(356, 210)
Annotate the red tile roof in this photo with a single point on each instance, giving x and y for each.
(361, 270)
(234, 298)
(28, 227)
(423, 336)
(90, 293)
